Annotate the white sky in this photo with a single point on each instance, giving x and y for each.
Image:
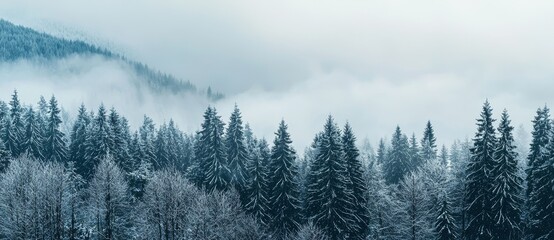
(374, 63)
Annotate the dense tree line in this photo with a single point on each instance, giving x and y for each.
(102, 180)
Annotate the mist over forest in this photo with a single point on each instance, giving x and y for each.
(286, 121)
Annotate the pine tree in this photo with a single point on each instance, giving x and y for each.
(77, 147)
(330, 200)
(14, 128)
(161, 148)
(541, 134)
(98, 144)
(415, 158)
(506, 189)
(357, 182)
(147, 137)
(428, 143)
(211, 153)
(3, 110)
(479, 178)
(32, 145)
(140, 167)
(257, 187)
(4, 157)
(55, 148)
(283, 188)
(237, 153)
(397, 164)
(443, 156)
(119, 148)
(444, 226)
(381, 152)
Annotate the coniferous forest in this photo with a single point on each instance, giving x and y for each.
(103, 180)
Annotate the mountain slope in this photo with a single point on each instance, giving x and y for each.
(22, 43)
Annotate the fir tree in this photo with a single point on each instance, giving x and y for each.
(443, 156)
(381, 152)
(506, 189)
(257, 188)
(161, 150)
(211, 153)
(284, 204)
(3, 110)
(397, 164)
(98, 144)
(14, 128)
(32, 145)
(357, 181)
(428, 143)
(77, 147)
(237, 153)
(147, 136)
(55, 148)
(415, 158)
(444, 226)
(330, 200)
(480, 179)
(119, 146)
(4, 157)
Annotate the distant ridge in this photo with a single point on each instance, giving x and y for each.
(19, 42)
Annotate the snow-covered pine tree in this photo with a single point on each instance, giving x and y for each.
(257, 186)
(283, 188)
(330, 200)
(55, 148)
(415, 206)
(14, 128)
(443, 156)
(381, 152)
(161, 148)
(415, 156)
(398, 160)
(479, 178)
(211, 155)
(4, 157)
(506, 189)
(457, 185)
(119, 148)
(98, 144)
(357, 182)
(542, 128)
(237, 154)
(444, 226)
(33, 141)
(541, 198)
(3, 110)
(77, 147)
(147, 134)
(428, 143)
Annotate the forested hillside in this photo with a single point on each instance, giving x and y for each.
(104, 180)
(18, 42)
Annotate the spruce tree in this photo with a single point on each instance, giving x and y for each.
(55, 148)
(357, 182)
(161, 148)
(237, 153)
(330, 200)
(147, 132)
(14, 128)
(480, 179)
(284, 205)
(443, 156)
(4, 157)
(77, 147)
(98, 144)
(538, 154)
(398, 160)
(211, 153)
(119, 147)
(381, 152)
(3, 110)
(428, 143)
(506, 189)
(415, 157)
(444, 226)
(257, 187)
(32, 145)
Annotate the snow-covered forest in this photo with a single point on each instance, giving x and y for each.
(103, 180)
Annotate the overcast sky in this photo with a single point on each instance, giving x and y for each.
(374, 63)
